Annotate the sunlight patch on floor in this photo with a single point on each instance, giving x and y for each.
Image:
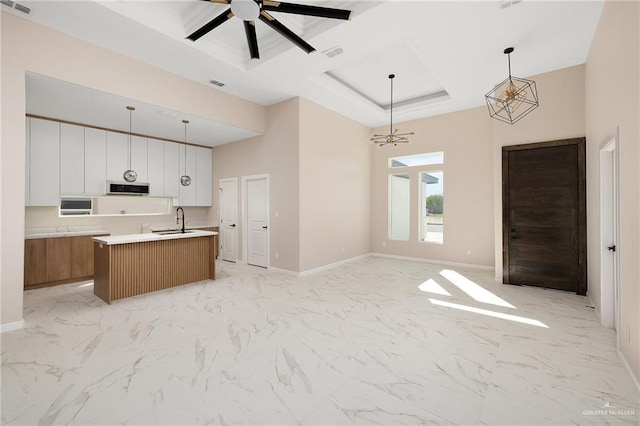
(478, 293)
(486, 312)
(430, 286)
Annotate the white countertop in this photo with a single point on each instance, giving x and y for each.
(63, 231)
(169, 226)
(139, 238)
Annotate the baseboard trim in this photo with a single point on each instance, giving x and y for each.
(282, 271)
(11, 326)
(437, 262)
(332, 265)
(595, 308)
(628, 367)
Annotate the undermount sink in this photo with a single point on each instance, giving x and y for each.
(173, 232)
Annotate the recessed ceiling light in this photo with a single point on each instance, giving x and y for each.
(217, 83)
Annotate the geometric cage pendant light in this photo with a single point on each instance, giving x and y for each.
(513, 98)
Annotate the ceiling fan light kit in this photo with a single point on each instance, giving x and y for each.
(513, 98)
(250, 10)
(129, 175)
(393, 137)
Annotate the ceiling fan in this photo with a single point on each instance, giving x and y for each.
(250, 10)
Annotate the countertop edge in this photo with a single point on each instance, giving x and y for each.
(65, 234)
(140, 238)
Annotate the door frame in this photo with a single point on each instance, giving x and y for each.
(582, 205)
(245, 217)
(220, 229)
(610, 234)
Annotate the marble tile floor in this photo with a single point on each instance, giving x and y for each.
(374, 341)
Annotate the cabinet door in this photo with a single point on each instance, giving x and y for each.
(95, 160)
(172, 170)
(81, 257)
(188, 167)
(34, 261)
(155, 167)
(204, 184)
(58, 258)
(71, 159)
(44, 168)
(117, 156)
(139, 158)
(27, 158)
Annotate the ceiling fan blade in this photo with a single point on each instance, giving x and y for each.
(215, 22)
(301, 9)
(252, 40)
(285, 32)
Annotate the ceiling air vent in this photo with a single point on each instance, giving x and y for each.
(333, 51)
(7, 3)
(21, 8)
(506, 3)
(217, 83)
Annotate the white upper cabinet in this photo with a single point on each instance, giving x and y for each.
(188, 167)
(155, 167)
(117, 156)
(204, 171)
(71, 159)
(95, 159)
(139, 158)
(172, 171)
(44, 157)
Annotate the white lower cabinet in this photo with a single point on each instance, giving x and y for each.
(44, 159)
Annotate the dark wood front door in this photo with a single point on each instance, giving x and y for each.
(544, 215)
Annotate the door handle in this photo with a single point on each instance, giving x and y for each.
(233, 225)
(612, 248)
(264, 227)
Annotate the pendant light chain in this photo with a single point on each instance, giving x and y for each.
(391, 77)
(129, 154)
(185, 146)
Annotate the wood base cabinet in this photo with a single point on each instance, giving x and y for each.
(130, 269)
(60, 260)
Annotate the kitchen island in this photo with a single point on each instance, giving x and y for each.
(129, 265)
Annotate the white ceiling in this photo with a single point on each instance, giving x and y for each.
(445, 54)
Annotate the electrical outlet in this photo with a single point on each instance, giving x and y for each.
(275, 214)
(468, 252)
(384, 244)
(342, 250)
(277, 255)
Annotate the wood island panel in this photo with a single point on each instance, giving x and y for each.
(125, 270)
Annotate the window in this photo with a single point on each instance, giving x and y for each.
(399, 206)
(432, 207)
(426, 159)
(428, 175)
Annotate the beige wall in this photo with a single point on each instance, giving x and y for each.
(466, 139)
(277, 154)
(613, 100)
(559, 116)
(335, 161)
(27, 46)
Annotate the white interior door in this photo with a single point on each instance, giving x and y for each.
(228, 219)
(257, 192)
(609, 236)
